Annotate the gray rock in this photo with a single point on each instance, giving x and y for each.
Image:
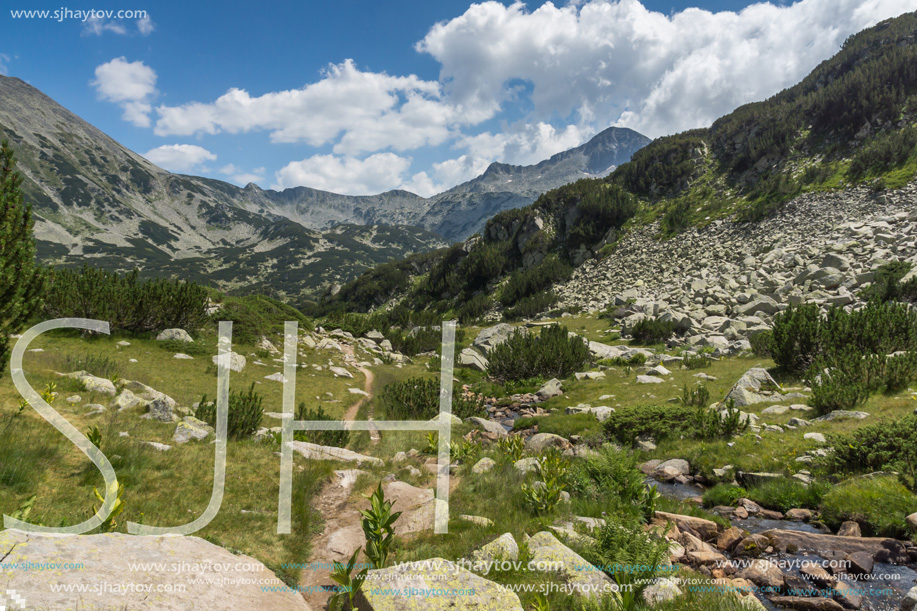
(340, 372)
(661, 590)
(643, 379)
(313, 451)
(235, 362)
(502, 548)
(526, 465)
(840, 414)
(107, 558)
(483, 466)
(159, 409)
(126, 400)
(179, 335)
(551, 388)
(910, 601)
(549, 553)
(469, 357)
(487, 425)
(912, 521)
(191, 429)
(748, 390)
(160, 447)
(540, 442)
(493, 336)
(816, 437)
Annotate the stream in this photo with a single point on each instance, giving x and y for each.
(885, 577)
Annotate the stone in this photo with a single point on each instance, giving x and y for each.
(860, 564)
(728, 538)
(775, 410)
(178, 335)
(526, 465)
(483, 466)
(676, 466)
(107, 559)
(821, 543)
(910, 600)
(707, 529)
(469, 357)
(818, 575)
(503, 547)
(340, 372)
(488, 426)
(235, 362)
(276, 377)
(191, 428)
(540, 442)
(493, 336)
(849, 529)
(644, 379)
(805, 603)
(314, 451)
(266, 345)
(550, 555)
(816, 437)
(159, 447)
(848, 596)
(747, 391)
(840, 414)
(551, 388)
(126, 400)
(763, 573)
(465, 590)
(661, 590)
(912, 521)
(181, 356)
(159, 409)
(799, 515)
(93, 383)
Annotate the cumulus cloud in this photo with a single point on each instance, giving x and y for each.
(347, 175)
(4, 60)
(179, 157)
(241, 177)
(145, 26)
(96, 26)
(129, 84)
(362, 111)
(601, 62)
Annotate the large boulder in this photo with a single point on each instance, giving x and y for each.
(540, 442)
(747, 390)
(435, 584)
(159, 409)
(910, 601)
(469, 357)
(108, 559)
(313, 451)
(191, 428)
(707, 529)
(178, 335)
(486, 425)
(763, 573)
(548, 554)
(493, 336)
(502, 548)
(93, 383)
(551, 388)
(235, 362)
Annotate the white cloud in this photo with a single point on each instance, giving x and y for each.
(4, 60)
(145, 26)
(179, 157)
(366, 111)
(96, 26)
(129, 84)
(601, 62)
(239, 176)
(347, 175)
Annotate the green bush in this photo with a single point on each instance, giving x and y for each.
(622, 543)
(418, 399)
(530, 307)
(784, 494)
(525, 283)
(761, 342)
(243, 417)
(652, 330)
(551, 354)
(879, 504)
(696, 361)
(473, 309)
(609, 471)
(129, 304)
(619, 361)
(837, 389)
(885, 446)
(338, 439)
(657, 421)
(723, 495)
(884, 152)
(676, 218)
(699, 396)
(255, 315)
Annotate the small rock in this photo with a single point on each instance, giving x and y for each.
(849, 529)
(483, 466)
(179, 335)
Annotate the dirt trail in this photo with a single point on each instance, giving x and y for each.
(351, 413)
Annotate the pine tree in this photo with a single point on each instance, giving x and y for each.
(21, 279)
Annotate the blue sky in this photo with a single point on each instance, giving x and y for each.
(364, 96)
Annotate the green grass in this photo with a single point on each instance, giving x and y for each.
(879, 504)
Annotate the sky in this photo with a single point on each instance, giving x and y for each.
(364, 96)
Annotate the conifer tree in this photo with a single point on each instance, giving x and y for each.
(21, 279)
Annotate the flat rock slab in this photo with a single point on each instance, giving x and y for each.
(552, 556)
(316, 452)
(106, 560)
(432, 585)
(819, 543)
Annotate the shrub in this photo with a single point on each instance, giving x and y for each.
(619, 361)
(418, 399)
(879, 504)
(676, 218)
(613, 472)
(761, 343)
(796, 338)
(652, 330)
(473, 309)
(886, 446)
(837, 389)
(622, 543)
(656, 421)
(723, 495)
(784, 494)
(129, 304)
(528, 282)
(550, 354)
(243, 416)
(698, 396)
(552, 469)
(885, 152)
(696, 361)
(255, 315)
(378, 528)
(531, 306)
(339, 439)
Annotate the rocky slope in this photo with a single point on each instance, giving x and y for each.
(726, 279)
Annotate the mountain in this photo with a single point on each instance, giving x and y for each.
(851, 123)
(97, 202)
(463, 210)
